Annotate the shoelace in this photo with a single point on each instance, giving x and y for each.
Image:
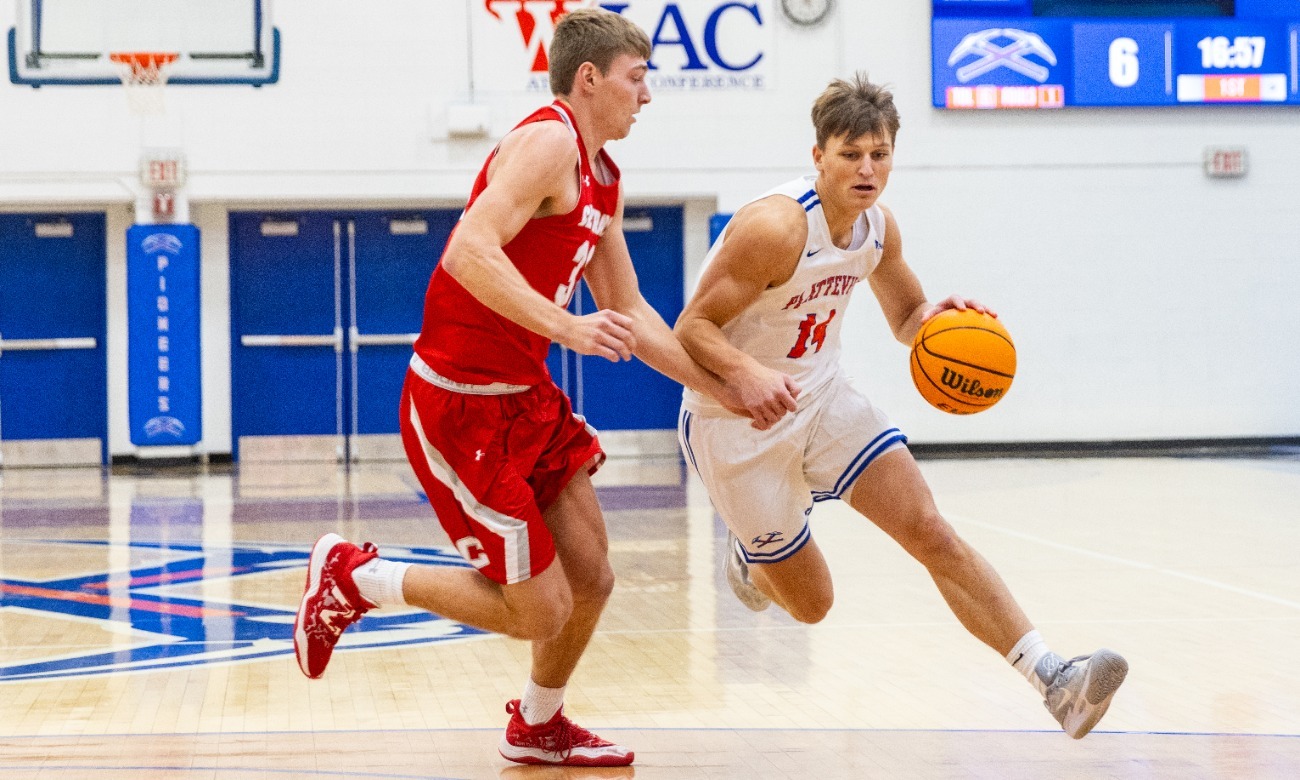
(1069, 667)
(562, 738)
(557, 740)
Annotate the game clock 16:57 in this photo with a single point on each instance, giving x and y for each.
(1231, 61)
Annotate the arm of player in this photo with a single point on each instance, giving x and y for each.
(899, 291)
(532, 175)
(761, 248)
(612, 279)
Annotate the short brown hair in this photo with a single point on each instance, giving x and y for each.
(854, 109)
(592, 35)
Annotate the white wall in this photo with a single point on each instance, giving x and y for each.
(1146, 300)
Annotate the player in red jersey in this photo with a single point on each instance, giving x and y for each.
(505, 462)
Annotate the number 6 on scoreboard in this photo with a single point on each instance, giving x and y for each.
(1123, 62)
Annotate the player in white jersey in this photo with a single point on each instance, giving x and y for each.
(766, 317)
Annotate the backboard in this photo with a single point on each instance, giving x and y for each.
(219, 41)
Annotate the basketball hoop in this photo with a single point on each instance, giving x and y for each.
(144, 74)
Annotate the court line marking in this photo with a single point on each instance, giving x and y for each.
(1127, 562)
(259, 770)
(757, 729)
(830, 624)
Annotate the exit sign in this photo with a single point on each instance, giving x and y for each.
(1225, 162)
(162, 169)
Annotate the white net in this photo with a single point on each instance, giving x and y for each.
(144, 74)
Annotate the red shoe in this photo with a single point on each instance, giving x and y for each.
(330, 601)
(558, 741)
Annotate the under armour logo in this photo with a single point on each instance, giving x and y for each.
(586, 181)
(992, 56)
(478, 455)
(768, 538)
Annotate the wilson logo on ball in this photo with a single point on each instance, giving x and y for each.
(963, 361)
(971, 387)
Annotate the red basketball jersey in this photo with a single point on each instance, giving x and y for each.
(464, 340)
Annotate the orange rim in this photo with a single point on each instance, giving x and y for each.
(144, 60)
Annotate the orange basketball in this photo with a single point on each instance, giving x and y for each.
(963, 361)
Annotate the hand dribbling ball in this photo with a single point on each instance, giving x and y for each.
(963, 361)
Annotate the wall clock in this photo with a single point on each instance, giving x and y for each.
(806, 12)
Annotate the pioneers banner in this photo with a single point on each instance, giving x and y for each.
(163, 367)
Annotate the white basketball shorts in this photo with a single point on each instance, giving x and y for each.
(764, 483)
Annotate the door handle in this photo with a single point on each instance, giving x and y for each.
(307, 340)
(383, 339)
(17, 345)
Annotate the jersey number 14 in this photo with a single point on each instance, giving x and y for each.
(810, 331)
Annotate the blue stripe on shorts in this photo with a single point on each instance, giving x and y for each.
(684, 425)
(785, 551)
(860, 462)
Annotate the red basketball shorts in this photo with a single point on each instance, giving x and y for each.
(492, 464)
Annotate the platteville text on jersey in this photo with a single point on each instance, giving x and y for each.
(833, 285)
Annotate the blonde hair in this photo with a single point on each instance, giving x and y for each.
(592, 35)
(854, 109)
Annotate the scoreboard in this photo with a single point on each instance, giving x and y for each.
(991, 54)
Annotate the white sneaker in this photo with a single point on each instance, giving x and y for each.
(738, 578)
(1079, 690)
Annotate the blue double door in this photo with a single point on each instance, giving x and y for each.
(326, 305)
(53, 315)
(324, 309)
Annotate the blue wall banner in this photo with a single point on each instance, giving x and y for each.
(163, 376)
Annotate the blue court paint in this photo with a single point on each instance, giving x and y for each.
(170, 630)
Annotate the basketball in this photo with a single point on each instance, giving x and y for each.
(963, 361)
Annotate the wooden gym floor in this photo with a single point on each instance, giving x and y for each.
(144, 632)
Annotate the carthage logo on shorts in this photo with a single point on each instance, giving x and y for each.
(157, 617)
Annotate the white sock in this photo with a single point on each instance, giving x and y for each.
(380, 581)
(1025, 657)
(539, 704)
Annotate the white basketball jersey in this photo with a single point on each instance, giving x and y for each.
(794, 328)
